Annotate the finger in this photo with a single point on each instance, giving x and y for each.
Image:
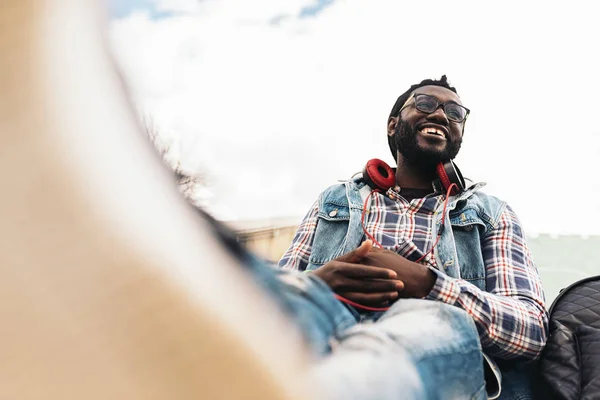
(369, 285)
(371, 299)
(357, 254)
(360, 271)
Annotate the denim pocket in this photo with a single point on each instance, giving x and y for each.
(330, 234)
(467, 229)
(334, 212)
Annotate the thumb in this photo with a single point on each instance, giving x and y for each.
(357, 254)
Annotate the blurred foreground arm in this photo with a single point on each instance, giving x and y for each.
(99, 301)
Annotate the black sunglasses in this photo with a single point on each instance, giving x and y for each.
(428, 104)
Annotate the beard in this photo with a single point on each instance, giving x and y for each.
(405, 139)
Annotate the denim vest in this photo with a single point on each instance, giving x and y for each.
(470, 214)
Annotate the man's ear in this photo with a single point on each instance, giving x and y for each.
(391, 128)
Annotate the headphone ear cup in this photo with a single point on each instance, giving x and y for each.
(449, 174)
(378, 175)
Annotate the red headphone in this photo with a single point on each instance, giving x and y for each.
(379, 176)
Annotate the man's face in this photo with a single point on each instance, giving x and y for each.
(426, 139)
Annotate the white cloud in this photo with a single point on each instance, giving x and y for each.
(182, 6)
(277, 113)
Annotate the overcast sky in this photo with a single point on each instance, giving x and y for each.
(276, 100)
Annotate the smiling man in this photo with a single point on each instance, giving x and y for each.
(445, 243)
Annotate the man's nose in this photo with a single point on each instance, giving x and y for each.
(438, 115)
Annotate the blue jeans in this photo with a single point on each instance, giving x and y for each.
(418, 349)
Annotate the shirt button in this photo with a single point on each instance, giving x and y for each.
(333, 212)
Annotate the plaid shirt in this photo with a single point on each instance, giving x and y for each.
(510, 316)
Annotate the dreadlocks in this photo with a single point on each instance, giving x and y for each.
(443, 82)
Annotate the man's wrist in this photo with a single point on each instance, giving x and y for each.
(428, 282)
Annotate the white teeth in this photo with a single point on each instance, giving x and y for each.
(434, 131)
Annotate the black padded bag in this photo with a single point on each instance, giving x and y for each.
(570, 363)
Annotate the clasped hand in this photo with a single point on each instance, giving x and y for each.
(376, 277)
